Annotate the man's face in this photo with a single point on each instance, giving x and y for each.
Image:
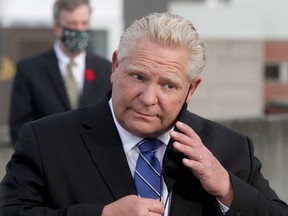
(77, 19)
(149, 87)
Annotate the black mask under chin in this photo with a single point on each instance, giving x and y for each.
(75, 41)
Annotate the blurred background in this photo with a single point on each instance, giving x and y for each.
(245, 82)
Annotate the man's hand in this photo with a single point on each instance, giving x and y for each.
(134, 206)
(212, 175)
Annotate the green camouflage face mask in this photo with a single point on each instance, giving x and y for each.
(75, 41)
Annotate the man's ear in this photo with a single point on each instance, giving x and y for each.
(115, 64)
(193, 88)
(57, 30)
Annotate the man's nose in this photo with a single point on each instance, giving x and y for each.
(149, 95)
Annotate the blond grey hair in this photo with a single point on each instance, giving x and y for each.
(68, 5)
(170, 30)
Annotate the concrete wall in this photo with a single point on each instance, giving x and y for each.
(232, 81)
(270, 138)
(135, 9)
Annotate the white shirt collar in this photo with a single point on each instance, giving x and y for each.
(130, 140)
(63, 58)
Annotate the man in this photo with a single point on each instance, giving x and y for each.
(94, 161)
(41, 87)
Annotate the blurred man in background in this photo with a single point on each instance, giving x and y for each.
(64, 77)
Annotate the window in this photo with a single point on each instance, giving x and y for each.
(272, 72)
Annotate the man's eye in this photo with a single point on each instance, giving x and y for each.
(137, 77)
(170, 86)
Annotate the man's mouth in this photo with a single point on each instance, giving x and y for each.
(145, 114)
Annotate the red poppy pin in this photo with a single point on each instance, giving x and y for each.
(89, 74)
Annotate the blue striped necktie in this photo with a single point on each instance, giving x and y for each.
(147, 175)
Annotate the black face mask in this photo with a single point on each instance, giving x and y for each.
(76, 41)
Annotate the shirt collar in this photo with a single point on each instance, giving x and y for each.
(128, 139)
(63, 58)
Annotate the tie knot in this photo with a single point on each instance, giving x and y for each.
(70, 65)
(149, 145)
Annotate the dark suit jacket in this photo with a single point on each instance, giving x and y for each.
(38, 88)
(73, 163)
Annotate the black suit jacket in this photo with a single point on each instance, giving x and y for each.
(73, 164)
(39, 90)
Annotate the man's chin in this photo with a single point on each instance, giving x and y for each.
(145, 130)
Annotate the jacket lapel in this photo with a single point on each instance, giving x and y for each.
(187, 191)
(104, 145)
(88, 84)
(54, 74)
(184, 207)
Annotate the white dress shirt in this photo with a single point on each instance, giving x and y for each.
(78, 69)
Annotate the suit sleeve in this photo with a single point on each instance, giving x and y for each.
(23, 189)
(255, 197)
(21, 109)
